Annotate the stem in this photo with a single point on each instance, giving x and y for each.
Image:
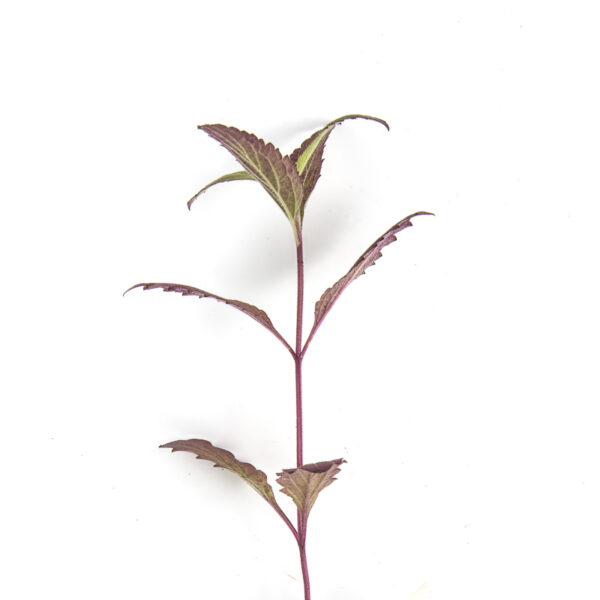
(304, 571)
(298, 354)
(299, 432)
(288, 523)
(299, 452)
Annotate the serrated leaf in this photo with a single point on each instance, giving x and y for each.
(254, 477)
(237, 176)
(276, 173)
(309, 156)
(260, 316)
(223, 458)
(308, 159)
(304, 484)
(367, 259)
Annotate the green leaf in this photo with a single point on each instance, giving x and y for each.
(368, 258)
(309, 156)
(260, 316)
(276, 173)
(237, 176)
(303, 484)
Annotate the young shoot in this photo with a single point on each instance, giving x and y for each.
(289, 180)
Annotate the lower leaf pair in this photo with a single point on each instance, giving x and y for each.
(302, 484)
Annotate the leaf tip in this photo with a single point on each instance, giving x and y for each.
(384, 123)
(421, 213)
(133, 287)
(358, 116)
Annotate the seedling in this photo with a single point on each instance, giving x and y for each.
(289, 180)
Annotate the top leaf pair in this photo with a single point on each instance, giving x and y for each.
(289, 180)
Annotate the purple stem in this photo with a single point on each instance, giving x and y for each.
(298, 353)
(304, 571)
(287, 522)
(299, 432)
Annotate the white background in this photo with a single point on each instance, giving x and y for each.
(459, 377)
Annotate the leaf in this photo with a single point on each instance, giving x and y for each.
(368, 258)
(308, 159)
(309, 156)
(276, 173)
(303, 484)
(223, 458)
(238, 175)
(186, 290)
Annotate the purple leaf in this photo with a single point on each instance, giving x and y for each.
(330, 296)
(276, 173)
(186, 290)
(308, 158)
(303, 484)
(225, 459)
(238, 175)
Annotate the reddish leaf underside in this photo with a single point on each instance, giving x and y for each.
(223, 458)
(252, 311)
(276, 173)
(308, 158)
(303, 484)
(254, 477)
(368, 258)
